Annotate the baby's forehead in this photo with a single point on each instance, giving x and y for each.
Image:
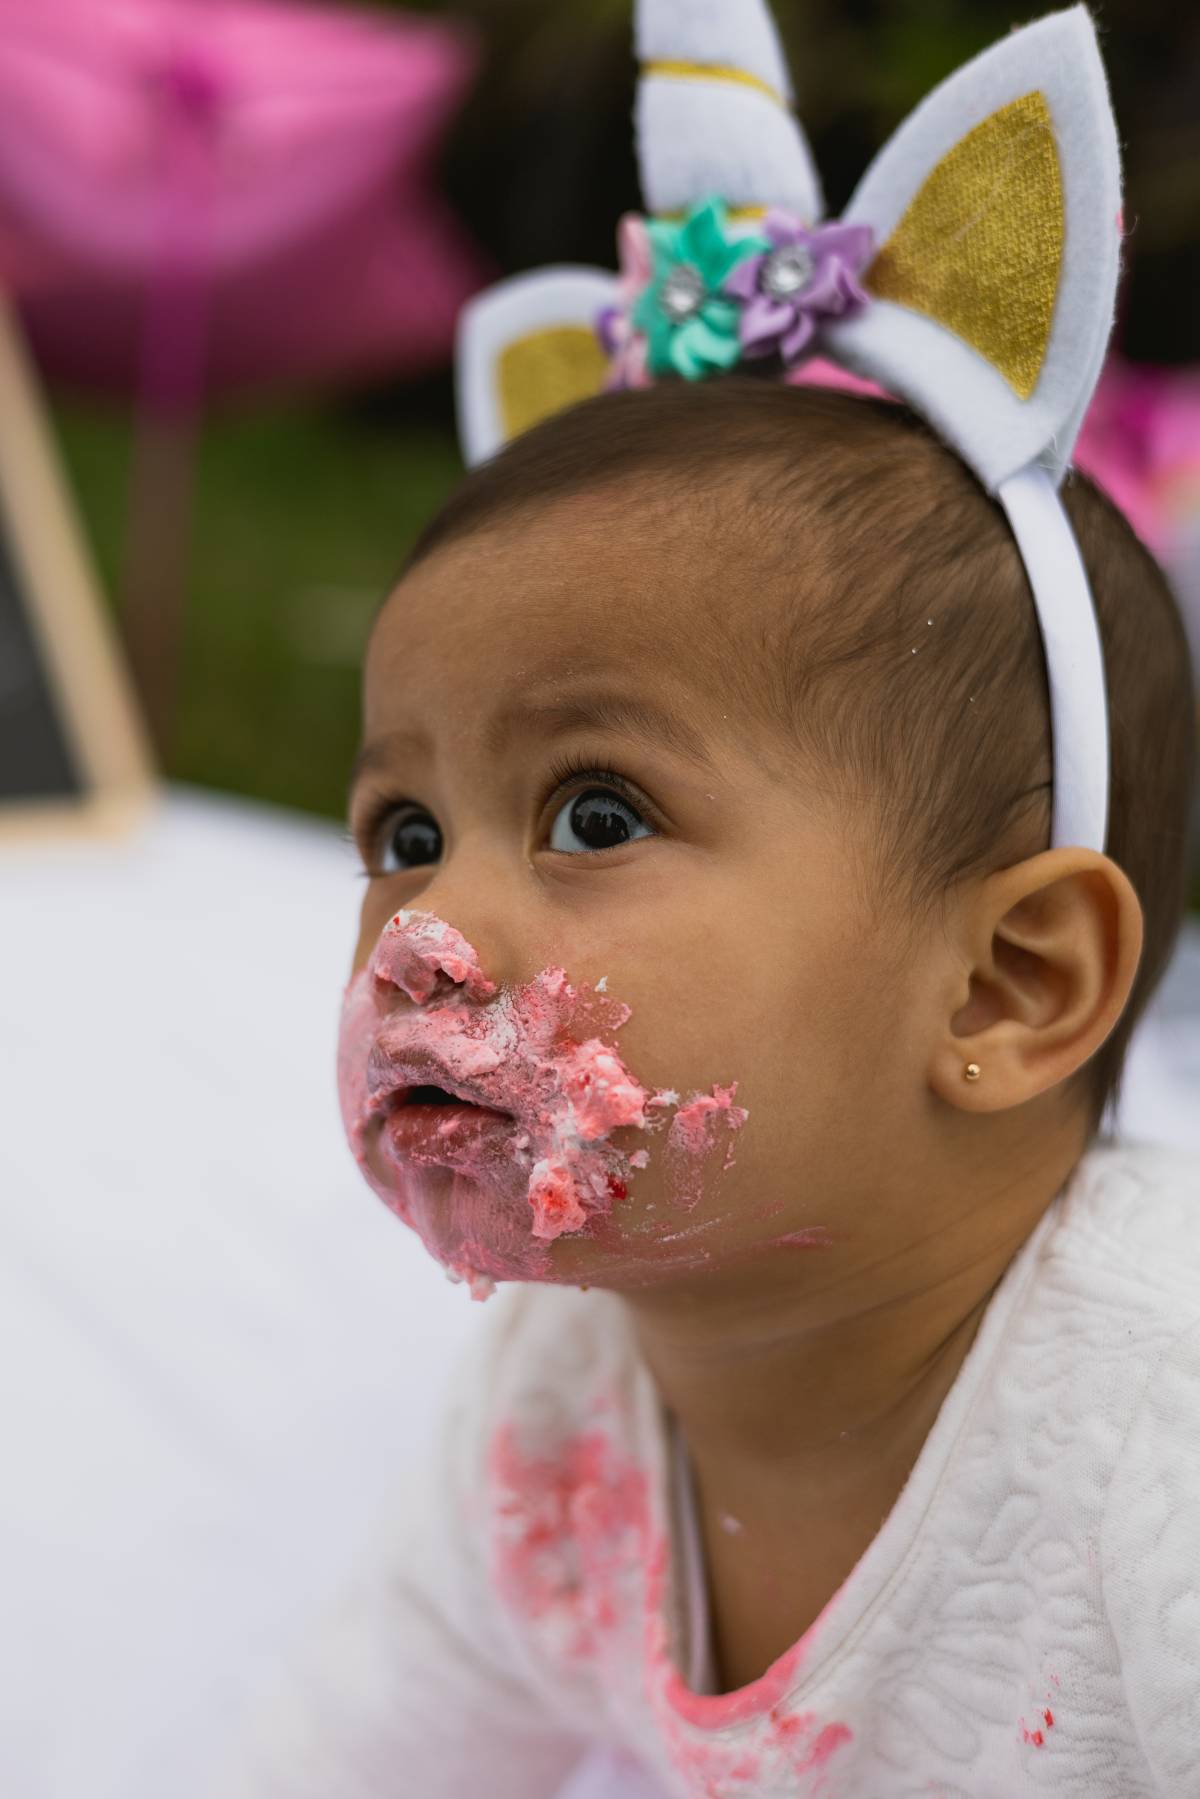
(652, 577)
(534, 630)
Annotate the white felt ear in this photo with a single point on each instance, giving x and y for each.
(527, 348)
(714, 110)
(1052, 80)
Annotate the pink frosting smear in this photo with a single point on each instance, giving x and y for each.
(579, 1550)
(416, 950)
(533, 1155)
(694, 1131)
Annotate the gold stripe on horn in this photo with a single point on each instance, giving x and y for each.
(704, 71)
(731, 212)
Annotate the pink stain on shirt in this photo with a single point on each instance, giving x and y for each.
(575, 1555)
(570, 1529)
(798, 1742)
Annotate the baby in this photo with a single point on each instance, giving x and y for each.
(723, 1017)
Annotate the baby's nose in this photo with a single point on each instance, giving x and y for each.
(420, 955)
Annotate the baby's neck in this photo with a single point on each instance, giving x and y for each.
(800, 1390)
(780, 1534)
(814, 1428)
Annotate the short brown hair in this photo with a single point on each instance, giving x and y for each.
(955, 738)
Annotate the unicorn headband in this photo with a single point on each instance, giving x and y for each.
(973, 275)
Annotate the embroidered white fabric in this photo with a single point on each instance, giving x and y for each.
(1024, 1620)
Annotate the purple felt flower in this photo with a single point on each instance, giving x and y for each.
(806, 276)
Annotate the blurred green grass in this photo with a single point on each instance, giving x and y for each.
(302, 515)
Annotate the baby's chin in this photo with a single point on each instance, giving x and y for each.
(482, 1233)
(487, 1214)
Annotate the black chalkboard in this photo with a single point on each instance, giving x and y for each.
(72, 747)
(36, 760)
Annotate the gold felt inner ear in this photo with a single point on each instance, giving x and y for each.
(981, 245)
(546, 371)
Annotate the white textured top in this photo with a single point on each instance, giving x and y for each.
(1026, 1621)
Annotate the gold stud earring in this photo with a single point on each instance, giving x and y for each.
(972, 1071)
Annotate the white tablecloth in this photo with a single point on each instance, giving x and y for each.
(219, 1349)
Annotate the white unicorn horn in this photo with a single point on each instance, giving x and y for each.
(714, 110)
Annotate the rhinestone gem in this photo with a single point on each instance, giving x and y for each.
(682, 292)
(786, 271)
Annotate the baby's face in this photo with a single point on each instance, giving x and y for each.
(626, 923)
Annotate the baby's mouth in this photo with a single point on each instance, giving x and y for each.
(428, 1125)
(428, 1095)
(403, 1072)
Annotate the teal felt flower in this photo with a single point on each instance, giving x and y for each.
(691, 327)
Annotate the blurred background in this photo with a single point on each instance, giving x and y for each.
(234, 237)
(252, 388)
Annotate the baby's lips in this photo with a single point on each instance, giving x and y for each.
(442, 1046)
(392, 1069)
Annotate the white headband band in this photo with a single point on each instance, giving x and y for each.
(993, 223)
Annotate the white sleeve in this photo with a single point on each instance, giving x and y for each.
(410, 1686)
(1150, 1558)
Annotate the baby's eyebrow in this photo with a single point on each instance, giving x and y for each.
(380, 751)
(602, 710)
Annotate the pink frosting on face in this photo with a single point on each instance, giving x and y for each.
(602, 1091)
(415, 950)
(552, 1196)
(487, 1189)
(813, 1236)
(690, 1127)
(695, 1130)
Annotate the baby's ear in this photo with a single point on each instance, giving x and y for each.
(527, 348)
(996, 207)
(1054, 943)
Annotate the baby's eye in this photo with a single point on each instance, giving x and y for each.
(408, 840)
(600, 820)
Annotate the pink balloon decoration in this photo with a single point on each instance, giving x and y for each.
(264, 166)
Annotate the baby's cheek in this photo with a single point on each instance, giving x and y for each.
(373, 915)
(358, 1022)
(675, 1200)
